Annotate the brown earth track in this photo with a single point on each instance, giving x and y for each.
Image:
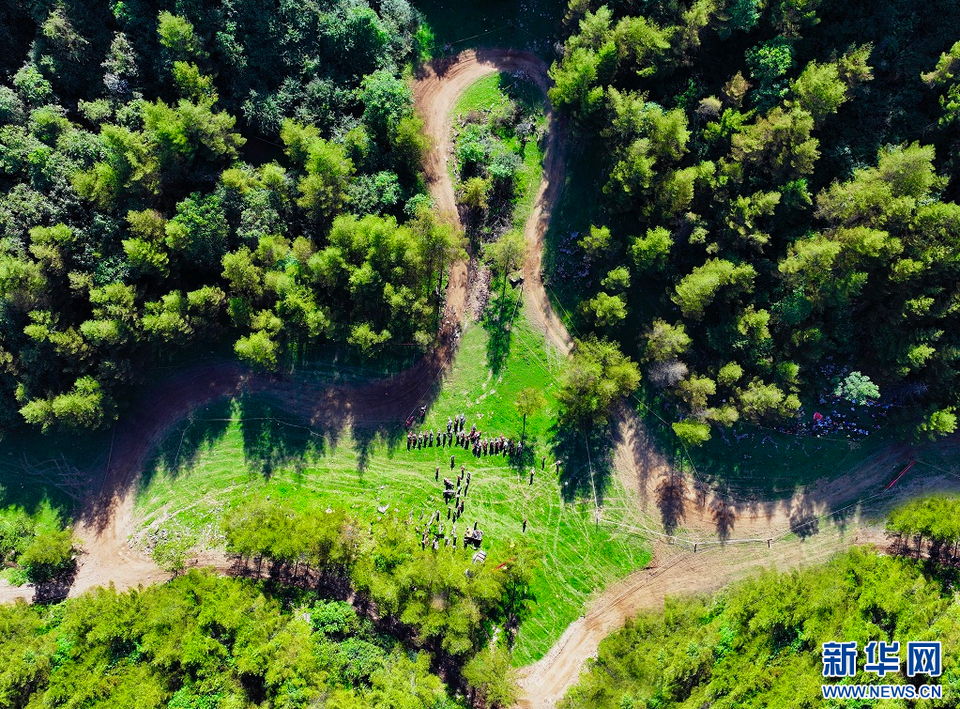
(815, 523)
(107, 520)
(699, 511)
(673, 572)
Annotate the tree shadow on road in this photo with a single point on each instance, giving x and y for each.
(56, 588)
(671, 495)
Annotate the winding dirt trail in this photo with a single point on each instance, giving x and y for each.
(436, 94)
(704, 514)
(107, 519)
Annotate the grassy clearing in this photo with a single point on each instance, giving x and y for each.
(489, 95)
(225, 463)
(481, 95)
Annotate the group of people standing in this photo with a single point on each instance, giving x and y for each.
(437, 531)
(471, 440)
(454, 495)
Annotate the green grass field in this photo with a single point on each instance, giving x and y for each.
(481, 95)
(188, 493)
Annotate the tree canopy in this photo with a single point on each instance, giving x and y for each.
(145, 209)
(202, 640)
(777, 198)
(597, 377)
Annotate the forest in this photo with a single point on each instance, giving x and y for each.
(289, 640)
(207, 641)
(180, 176)
(777, 184)
(768, 223)
(758, 643)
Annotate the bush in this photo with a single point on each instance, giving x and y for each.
(504, 165)
(48, 555)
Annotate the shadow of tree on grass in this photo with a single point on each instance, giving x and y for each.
(199, 431)
(498, 322)
(586, 461)
(273, 437)
(366, 436)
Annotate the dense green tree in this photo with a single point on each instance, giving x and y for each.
(386, 100)
(506, 253)
(493, 676)
(47, 555)
(651, 250)
(725, 648)
(765, 218)
(79, 408)
(768, 63)
(605, 310)
(529, 402)
(135, 225)
(941, 422)
(476, 192)
(203, 639)
(692, 433)
(177, 34)
(666, 342)
(695, 292)
(596, 241)
(599, 375)
(858, 388)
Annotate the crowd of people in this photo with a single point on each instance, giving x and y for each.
(455, 496)
(439, 530)
(457, 435)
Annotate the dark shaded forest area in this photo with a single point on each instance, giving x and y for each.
(778, 214)
(177, 174)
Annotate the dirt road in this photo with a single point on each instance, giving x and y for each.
(108, 521)
(672, 572)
